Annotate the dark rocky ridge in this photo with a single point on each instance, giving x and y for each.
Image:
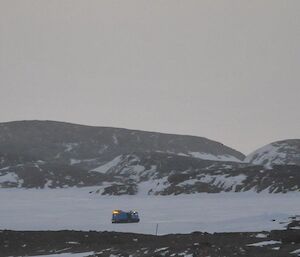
(264, 244)
(61, 142)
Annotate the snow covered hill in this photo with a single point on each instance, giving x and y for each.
(286, 152)
(166, 174)
(155, 174)
(46, 154)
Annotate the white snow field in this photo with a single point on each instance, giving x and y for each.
(76, 208)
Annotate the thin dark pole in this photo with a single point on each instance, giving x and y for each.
(156, 229)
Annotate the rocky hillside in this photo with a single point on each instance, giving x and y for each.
(46, 154)
(155, 174)
(165, 174)
(70, 143)
(277, 243)
(286, 152)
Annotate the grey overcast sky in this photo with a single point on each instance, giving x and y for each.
(225, 70)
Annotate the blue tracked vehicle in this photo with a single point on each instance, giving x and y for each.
(119, 216)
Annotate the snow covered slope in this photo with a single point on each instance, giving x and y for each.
(153, 173)
(167, 174)
(53, 154)
(76, 209)
(286, 152)
(47, 154)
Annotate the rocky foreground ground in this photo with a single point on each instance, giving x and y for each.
(110, 244)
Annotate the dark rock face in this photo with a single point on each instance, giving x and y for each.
(39, 154)
(30, 243)
(62, 142)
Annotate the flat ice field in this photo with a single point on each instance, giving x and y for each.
(57, 209)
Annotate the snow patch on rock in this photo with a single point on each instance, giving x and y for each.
(212, 157)
(264, 243)
(10, 177)
(106, 167)
(225, 181)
